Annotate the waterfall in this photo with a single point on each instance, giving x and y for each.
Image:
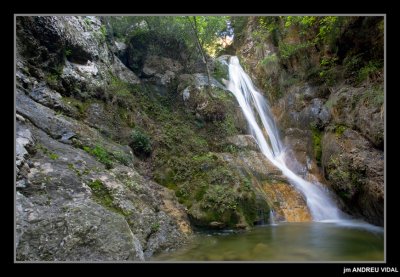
(272, 217)
(254, 105)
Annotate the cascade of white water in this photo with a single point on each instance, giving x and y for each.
(254, 106)
(272, 217)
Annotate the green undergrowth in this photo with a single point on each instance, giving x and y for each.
(107, 157)
(179, 147)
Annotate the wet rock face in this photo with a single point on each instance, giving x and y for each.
(78, 196)
(272, 187)
(355, 171)
(245, 142)
(289, 205)
(298, 149)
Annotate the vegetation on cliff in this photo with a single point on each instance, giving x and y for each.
(127, 138)
(324, 74)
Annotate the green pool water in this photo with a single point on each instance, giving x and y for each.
(285, 242)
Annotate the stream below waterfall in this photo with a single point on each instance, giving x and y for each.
(311, 241)
(331, 236)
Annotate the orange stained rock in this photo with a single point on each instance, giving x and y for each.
(288, 204)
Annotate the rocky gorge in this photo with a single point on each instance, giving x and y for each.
(125, 148)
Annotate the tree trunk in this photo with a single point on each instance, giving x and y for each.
(194, 28)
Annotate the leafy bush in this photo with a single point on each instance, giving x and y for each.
(101, 154)
(140, 144)
(286, 50)
(220, 199)
(369, 72)
(270, 59)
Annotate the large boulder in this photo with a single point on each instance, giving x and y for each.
(272, 188)
(209, 102)
(355, 171)
(301, 107)
(71, 208)
(161, 70)
(79, 230)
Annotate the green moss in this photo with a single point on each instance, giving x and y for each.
(47, 152)
(77, 171)
(224, 128)
(121, 157)
(67, 52)
(339, 129)
(337, 172)
(155, 227)
(119, 87)
(127, 116)
(101, 155)
(230, 148)
(328, 71)
(104, 198)
(79, 105)
(53, 156)
(316, 141)
(220, 199)
(87, 21)
(53, 75)
(52, 79)
(344, 194)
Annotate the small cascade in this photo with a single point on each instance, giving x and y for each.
(262, 126)
(272, 217)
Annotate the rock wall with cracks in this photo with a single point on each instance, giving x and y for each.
(70, 204)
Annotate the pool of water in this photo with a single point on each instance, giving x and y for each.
(315, 241)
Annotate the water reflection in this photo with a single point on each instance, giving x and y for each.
(285, 242)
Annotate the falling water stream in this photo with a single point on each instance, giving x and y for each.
(331, 236)
(254, 106)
